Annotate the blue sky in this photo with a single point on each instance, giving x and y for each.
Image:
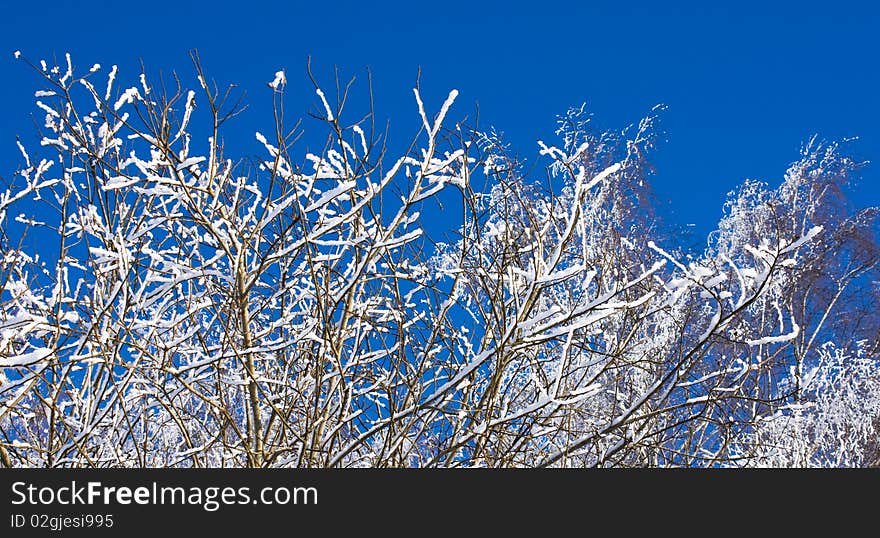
(745, 84)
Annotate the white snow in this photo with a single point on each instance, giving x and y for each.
(279, 81)
(191, 161)
(110, 78)
(795, 330)
(813, 232)
(332, 194)
(326, 104)
(128, 96)
(25, 359)
(614, 168)
(119, 182)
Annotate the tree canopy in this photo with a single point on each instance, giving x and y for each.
(167, 300)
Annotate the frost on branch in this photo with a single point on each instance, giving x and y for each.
(835, 426)
(187, 307)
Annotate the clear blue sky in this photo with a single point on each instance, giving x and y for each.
(745, 84)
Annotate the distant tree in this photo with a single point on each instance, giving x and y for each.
(168, 302)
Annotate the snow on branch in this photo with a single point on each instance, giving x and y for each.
(352, 300)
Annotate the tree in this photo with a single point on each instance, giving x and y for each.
(179, 305)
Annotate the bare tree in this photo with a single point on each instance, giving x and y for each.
(167, 303)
